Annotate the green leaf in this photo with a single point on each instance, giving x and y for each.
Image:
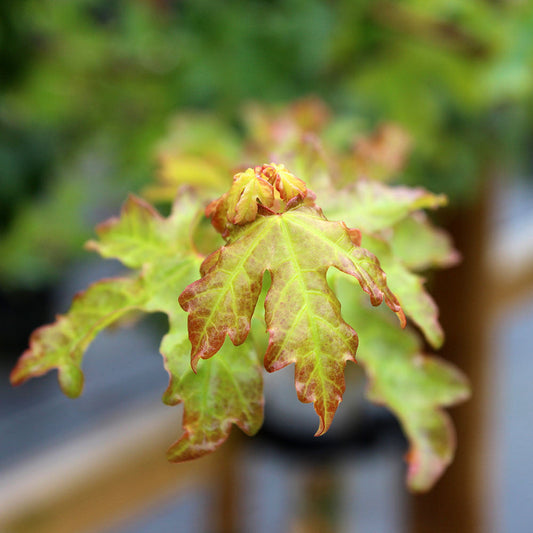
(162, 251)
(390, 220)
(302, 314)
(372, 206)
(420, 245)
(142, 236)
(415, 387)
(246, 191)
(226, 390)
(417, 304)
(273, 229)
(61, 345)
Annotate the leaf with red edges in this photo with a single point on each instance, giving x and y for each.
(372, 206)
(61, 345)
(302, 314)
(226, 390)
(248, 188)
(417, 304)
(286, 183)
(162, 251)
(414, 386)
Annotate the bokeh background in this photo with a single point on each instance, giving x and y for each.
(90, 91)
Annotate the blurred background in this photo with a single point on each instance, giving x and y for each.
(89, 94)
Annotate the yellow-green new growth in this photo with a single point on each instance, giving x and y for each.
(297, 245)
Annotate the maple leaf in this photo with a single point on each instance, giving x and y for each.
(417, 304)
(271, 224)
(141, 236)
(166, 261)
(302, 314)
(414, 386)
(270, 187)
(373, 206)
(287, 184)
(420, 245)
(223, 391)
(384, 214)
(248, 188)
(61, 345)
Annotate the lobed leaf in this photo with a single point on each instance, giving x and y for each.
(273, 228)
(372, 206)
(142, 236)
(270, 187)
(226, 390)
(246, 191)
(415, 387)
(378, 207)
(163, 252)
(62, 344)
(302, 314)
(417, 304)
(420, 245)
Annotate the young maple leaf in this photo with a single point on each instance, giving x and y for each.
(420, 245)
(303, 316)
(381, 212)
(248, 189)
(287, 184)
(270, 187)
(227, 390)
(412, 385)
(373, 206)
(239, 205)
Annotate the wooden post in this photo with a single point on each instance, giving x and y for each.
(455, 504)
(228, 486)
(319, 511)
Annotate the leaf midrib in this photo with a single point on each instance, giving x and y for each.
(294, 257)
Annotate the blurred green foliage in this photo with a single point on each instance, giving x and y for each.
(87, 88)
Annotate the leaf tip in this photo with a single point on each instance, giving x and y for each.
(195, 357)
(425, 469)
(18, 375)
(326, 418)
(91, 246)
(354, 234)
(70, 380)
(182, 450)
(401, 317)
(321, 428)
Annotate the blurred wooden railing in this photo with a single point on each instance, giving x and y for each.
(121, 469)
